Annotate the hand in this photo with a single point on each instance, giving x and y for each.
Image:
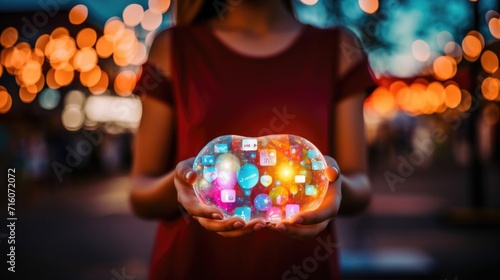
(308, 224)
(209, 217)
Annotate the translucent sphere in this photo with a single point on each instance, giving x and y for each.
(271, 177)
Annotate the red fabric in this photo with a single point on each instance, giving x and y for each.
(218, 91)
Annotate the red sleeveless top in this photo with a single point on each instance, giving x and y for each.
(216, 91)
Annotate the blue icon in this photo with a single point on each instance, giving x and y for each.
(318, 165)
(312, 153)
(243, 212)
(220, 148)
(210, 173)
(208, 160)
(262, 202)
(248, 177)
(311, 190)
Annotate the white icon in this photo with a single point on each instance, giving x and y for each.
(228, 196)
(300, 178)
(249, 144)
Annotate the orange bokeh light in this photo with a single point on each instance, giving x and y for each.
(86, 38)
(85, 59)
(114, 27)
(78, 14)
(102, 85)
(64, 76)
(91, 78)
(5, 101)
(472, 45)
(159, 6)
(489, 61)
(31, 73)
(453, 96)
(9, 37)
(383, 101)
(125, 82)
(494, 26)
(51, 80)
(104, 46)
(368, 6)
(490, 88)
(26, 96)
(444, 67)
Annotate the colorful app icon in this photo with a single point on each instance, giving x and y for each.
(291, 210)
(312, 154)
(210, 173)
(220, 148)
(248, 177)
(262, 202)
(311, 190)
(228, 196)
(249, 144)
(300, 178)
(266, 180)
(274, 214)
(243, 212)
(318, 165)
(267, 157)
(208, 160)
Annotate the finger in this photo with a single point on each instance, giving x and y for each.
(327, 210)
(300, 232)
(187, 198)
(250, 227)
(184, 171)
(221, 225)
(332, 170)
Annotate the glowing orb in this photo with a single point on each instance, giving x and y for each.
(272, 177)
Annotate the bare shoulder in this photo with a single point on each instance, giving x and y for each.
(161, 51)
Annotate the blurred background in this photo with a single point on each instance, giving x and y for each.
(67, 118)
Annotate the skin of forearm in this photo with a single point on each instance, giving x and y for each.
(155, 197)
(356, 193)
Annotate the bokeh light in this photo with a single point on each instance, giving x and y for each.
(25, 95)
(102, 84)
(489, 61)
(5, 101)
(125, 82)
(159, 6)
(444, 67)
(85, 59)
(472, 45)
(494, 27)
(309, 2)
(490, 88)
(104, 46)
(133, 14)
(421, 50)
(368, 6)
(151, 20)
(453, 96)
(90, 78)
(72, 117)
(78, 14)
(9, 37)
(49, 98)
(86, 38)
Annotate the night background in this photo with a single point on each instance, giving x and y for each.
(68, 115)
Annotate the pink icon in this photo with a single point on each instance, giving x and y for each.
(273, 214)
(228, 196)
(291, 210)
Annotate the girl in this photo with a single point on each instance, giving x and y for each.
(247, 67)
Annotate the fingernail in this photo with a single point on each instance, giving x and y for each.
(258, 227)
(281, 228)
(189, 174)
(216, 216)
(238, 225)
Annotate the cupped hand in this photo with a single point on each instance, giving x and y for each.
(209, 217)
(308, 224)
